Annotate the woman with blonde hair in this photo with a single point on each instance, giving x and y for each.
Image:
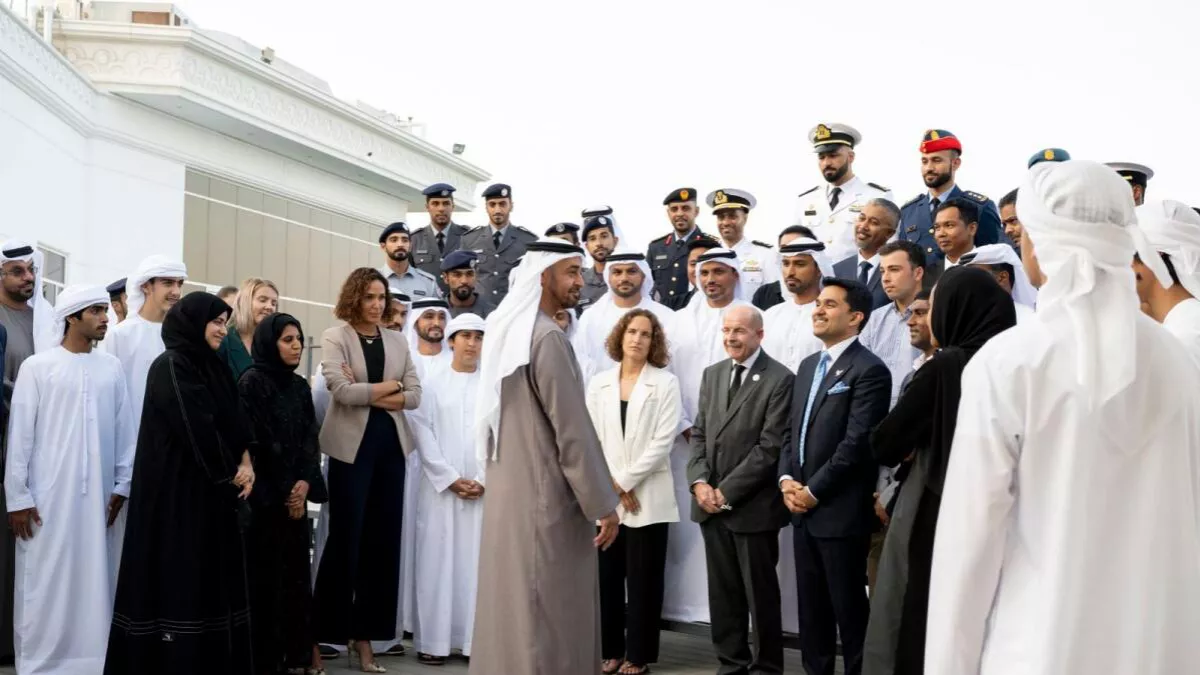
(256, 300)
(635, 407)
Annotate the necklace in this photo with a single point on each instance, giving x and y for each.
(369, 339)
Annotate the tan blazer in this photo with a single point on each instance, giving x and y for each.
(640, 458)
(346, 419)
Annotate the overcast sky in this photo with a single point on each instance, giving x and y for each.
(620, 102)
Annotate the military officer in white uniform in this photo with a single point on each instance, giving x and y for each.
(1138, 176)
(831, 209)
(759, 262)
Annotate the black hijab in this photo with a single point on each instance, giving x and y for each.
(969, 308)
(264, 347)
(183, 334)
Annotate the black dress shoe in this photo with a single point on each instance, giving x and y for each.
(328, 652)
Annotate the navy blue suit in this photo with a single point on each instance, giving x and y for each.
(831, 541)
(848, 269)
(916, 222)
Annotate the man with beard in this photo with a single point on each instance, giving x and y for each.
(673, 286)
(769, 295)
(1009, 219)
(400, 271)
(600, 240)
(70, 463)
(431, 244)
(695, 249)
(760, 264)
(789, 335)
(400, 303)
(426, 331)
(458, 276)
(941, 155)
(1137, 175)
(548, 486)
(116, 298)
(499, 244)
(832, 210)
(877, 223)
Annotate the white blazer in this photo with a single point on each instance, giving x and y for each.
(640, 458)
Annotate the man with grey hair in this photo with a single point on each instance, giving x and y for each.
(1067, 540)
(877, 222)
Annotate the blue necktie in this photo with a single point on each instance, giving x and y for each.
(863, 268)
(818, 377)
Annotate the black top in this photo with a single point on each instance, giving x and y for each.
(374, 356)
(624, 409)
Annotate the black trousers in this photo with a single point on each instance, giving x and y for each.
(742, 582)
(831, 576)
(358, 580)
(637, 560)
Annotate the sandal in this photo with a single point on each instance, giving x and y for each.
(430, 659)
(628, 668)
(610, 666)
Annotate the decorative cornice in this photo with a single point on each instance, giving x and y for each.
(156, 61)
(40, 71)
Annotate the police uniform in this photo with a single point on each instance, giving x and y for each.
(426, 253)
(497, 256)
(415, 282)
(916, 216)
(759, 262)
(1049, 155)
(667, 258)
(831, 211)
(1136, 174)
(593, 282)
(480, 305)
(560, 230)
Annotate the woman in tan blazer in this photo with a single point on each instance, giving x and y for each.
(636, 410)
(371, 380)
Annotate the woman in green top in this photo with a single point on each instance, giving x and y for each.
(256, 300)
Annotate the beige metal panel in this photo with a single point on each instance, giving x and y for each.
(248, 254)
(222, 235)
(361, 255)
(339, 257)
(322, 283)
(196, 183)
(295, 283)
(195, 234)
(274, 249)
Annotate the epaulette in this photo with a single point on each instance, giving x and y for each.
(526, 231)
(472, 230)
(663, 239)
(811, 189)
(879, 187)
(975, 196)
(419, 230)
(912, 201)
(759, 243)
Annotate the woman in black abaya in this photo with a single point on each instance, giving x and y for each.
(181, 604)
(288, 469)
(968, 308)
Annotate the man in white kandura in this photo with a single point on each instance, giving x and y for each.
(426, 332)
(788, 328)
(70, 462)
(451, 519)
(1169, 287)
(1069, 533)
(1004, 264)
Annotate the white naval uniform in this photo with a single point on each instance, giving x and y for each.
(835, 228)
(759, 264)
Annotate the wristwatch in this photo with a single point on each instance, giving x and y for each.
(399, 387)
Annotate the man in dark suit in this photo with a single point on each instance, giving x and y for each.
(769, 295)
(827, 477)
(877, 222)
(744, 405)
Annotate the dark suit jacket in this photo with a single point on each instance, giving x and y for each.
(736, 448)
(768, 295)
(838, 468)
(848, 269)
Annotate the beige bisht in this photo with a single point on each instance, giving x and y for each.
(537, 610)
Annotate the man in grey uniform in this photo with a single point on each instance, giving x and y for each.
(499, 244)
(458, 274)
(432, 243)
(600, 239)
(399, 271)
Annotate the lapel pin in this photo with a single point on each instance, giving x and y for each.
(838, 373)
(755, 378)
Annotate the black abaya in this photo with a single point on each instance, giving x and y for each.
(181, 605)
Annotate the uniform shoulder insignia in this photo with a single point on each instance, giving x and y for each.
(419, 230)
(473, 230)
(759, 243)
(879, 187)
(912, 201)
(811, 189)
(526, 231)
(975, 196)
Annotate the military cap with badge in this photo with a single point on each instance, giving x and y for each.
(1049, 155)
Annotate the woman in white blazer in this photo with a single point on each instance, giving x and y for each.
(636, 409)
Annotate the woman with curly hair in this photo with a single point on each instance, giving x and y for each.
(371, 381)
(636, 408)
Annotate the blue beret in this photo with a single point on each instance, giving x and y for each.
(459, 260)
(392, 229)
(438, 190)
(497, 190)
(117, 287)
(1049, 155)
